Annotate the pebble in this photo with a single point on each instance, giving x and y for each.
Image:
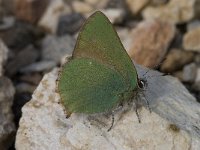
(7, 23)
(3, 56)
(24, 88)
(82, 7)
(150, 41)
(196, 84)
(30, 10)
(7, 126)
(115, 15)
(54, 48)
(31, 78)
(176, 59)
(23, 58)
(191, 40)
(189, 73)
(136, 6)
(20, 36)
(174, 11)
(70, 23)
(41, 66)
(55, 9)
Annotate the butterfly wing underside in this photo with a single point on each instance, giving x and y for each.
(85, 89)
(99, 41)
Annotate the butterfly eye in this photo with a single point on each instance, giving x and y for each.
(141, 84)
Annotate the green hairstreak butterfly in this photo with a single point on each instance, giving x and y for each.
(100, 75)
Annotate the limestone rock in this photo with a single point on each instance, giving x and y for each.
(150, 41)
(174, 11)
(49, 20)
(44, 124)
(7, 126)
(191, 40)
(3, 55)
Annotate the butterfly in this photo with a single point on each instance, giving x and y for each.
(100, 75)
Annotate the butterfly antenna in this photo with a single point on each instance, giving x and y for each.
(155, 67)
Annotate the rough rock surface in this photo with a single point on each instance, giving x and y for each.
(150, 41)
(44, 124)
(173, 11)
(7, 126)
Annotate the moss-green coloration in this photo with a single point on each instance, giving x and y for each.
(100, 74)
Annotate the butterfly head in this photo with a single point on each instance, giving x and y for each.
(142, 83)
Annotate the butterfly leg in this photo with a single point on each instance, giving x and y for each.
(137, 114)
(113, 119)
(147, 102)
(136, 109)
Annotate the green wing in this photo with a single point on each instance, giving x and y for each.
(99, 41)
(87, 86)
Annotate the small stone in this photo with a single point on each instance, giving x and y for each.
(196, 84)
(150, 41)
(7, 126)
(23, 58)
(3, 56)
(98, 4)
(159, 2)
(174, 11)
(54, 48)
(41, 66)
(124, 35)
(24, 88)
(32, 78)
(136, 5)
(49, 20)
(30, 10)
(191, 40)
(189, 72)
(179, 75)
(176, 59)
(70, 23)
(6, 23)
(193, 24)
(82, 7)
(20, 36)
(115, 15)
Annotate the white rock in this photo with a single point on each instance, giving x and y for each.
(3, 55)
(115, 15)
(174, 11)
(49, 20)
(82, 7)
(44, 124)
